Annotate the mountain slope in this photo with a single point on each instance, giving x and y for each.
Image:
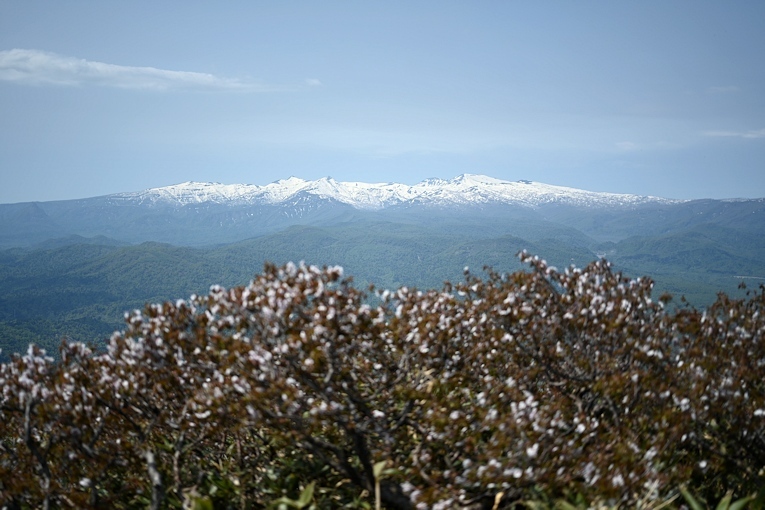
(203, 214)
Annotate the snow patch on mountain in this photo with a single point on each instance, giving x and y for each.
(465, 189)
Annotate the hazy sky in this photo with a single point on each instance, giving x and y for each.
(653, 97)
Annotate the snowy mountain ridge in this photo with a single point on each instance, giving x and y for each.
(465, 189)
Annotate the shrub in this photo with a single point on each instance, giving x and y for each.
(482, 394)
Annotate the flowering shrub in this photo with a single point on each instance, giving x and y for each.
(480, 395)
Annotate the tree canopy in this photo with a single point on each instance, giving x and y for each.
(539, 384)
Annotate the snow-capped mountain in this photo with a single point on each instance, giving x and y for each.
(466, 189)
(200, 214)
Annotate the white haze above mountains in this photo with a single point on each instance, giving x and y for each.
(465, 189)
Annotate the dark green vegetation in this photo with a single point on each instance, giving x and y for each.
(537, 389)
(79, 288)
(71, 269)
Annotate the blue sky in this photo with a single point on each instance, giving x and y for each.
(660, 98)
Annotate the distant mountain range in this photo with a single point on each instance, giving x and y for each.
(203, 214)
(71, 268)
(464, 190)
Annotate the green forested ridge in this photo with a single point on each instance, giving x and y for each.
(697, 262)
(79, 288)
(656, 220)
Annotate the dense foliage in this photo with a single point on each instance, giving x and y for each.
(536, 384)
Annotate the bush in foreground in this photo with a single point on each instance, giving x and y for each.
(539, 384)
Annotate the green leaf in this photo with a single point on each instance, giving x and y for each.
(758, 503)
(378, 469)
(306, 496)
(739, 504)
(565, 505)
(725, 501)
(692, 502)
(201, 503)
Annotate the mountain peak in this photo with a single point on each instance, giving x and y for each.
(291, 180)
(477, 179)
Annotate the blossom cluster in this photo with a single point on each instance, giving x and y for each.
(489, 390)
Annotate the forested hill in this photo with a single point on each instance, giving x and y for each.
(79, 288)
